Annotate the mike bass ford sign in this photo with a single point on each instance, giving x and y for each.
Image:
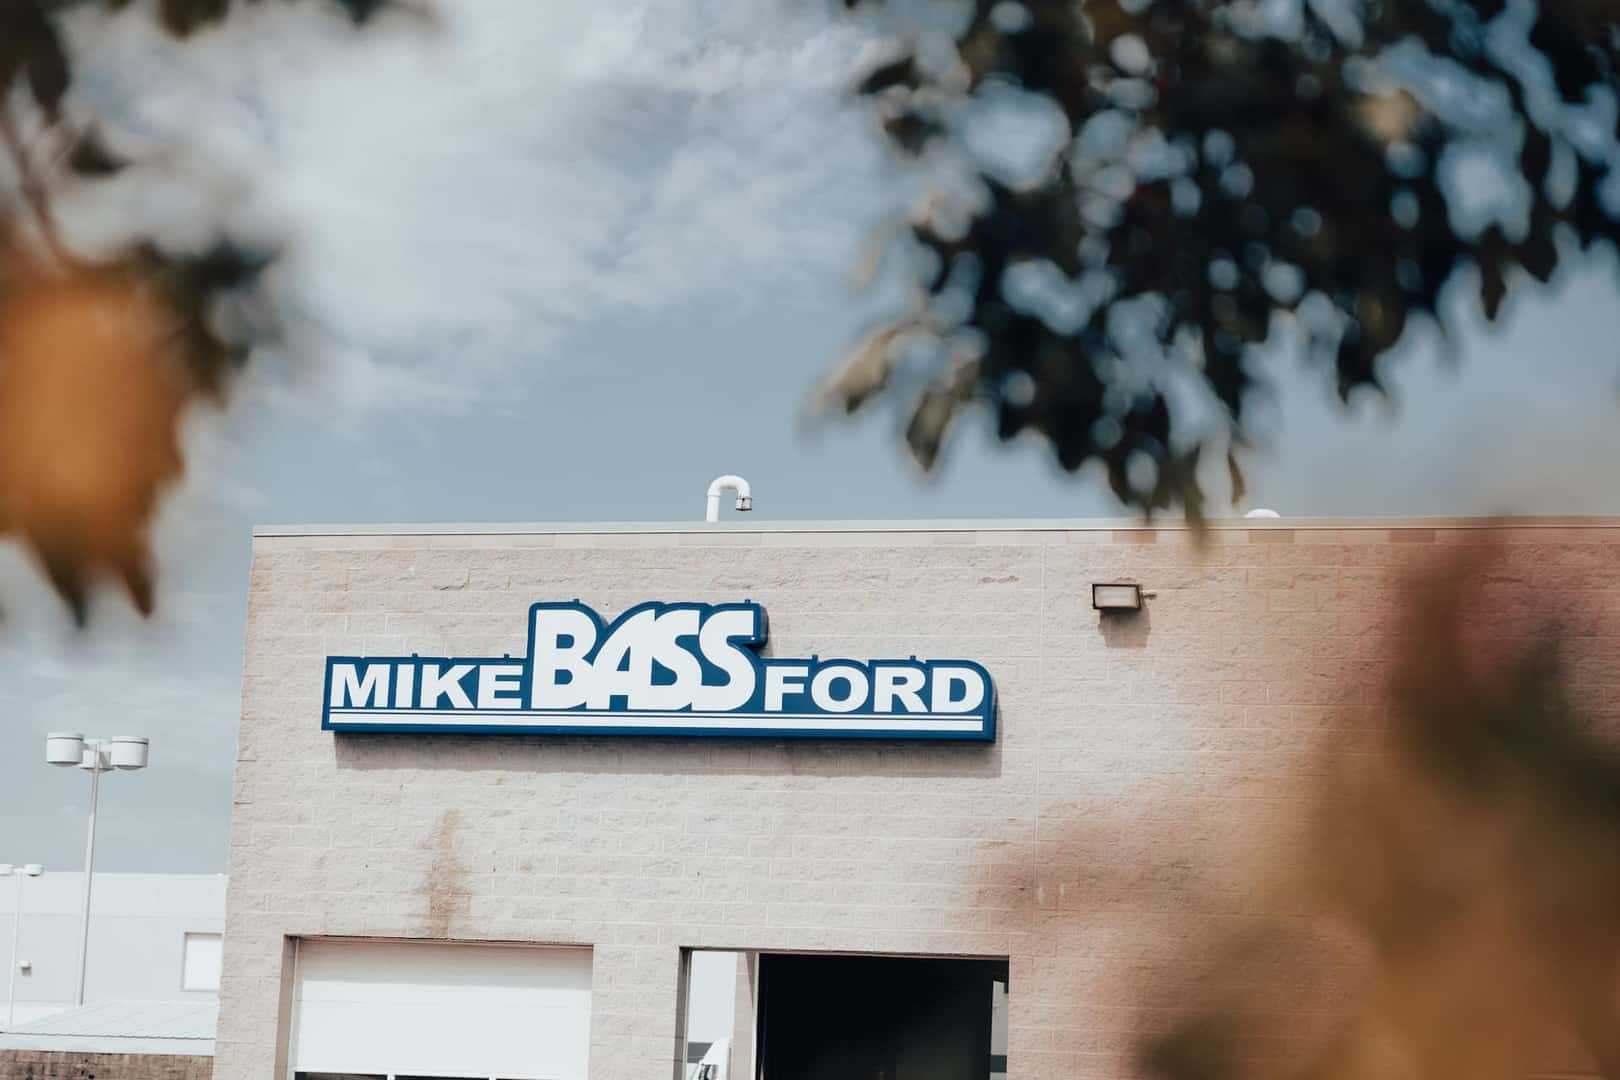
(659, 669)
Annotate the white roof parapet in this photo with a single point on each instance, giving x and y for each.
(122, 1027)
(986, 525)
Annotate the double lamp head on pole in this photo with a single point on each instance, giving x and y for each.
(126, 752)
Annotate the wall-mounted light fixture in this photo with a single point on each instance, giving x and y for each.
(1118, 596)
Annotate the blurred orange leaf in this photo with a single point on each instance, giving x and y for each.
(93, 381)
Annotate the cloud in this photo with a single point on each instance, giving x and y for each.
(456, 201)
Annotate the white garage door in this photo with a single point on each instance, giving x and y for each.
(409, 1009)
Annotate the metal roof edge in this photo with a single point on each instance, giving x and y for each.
(928, 525)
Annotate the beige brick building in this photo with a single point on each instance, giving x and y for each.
(1142, 767)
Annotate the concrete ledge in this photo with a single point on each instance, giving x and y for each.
(116, 1065)
(564, 528)
(1033, 532)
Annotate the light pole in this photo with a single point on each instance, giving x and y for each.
(32, 869)
(96, 756)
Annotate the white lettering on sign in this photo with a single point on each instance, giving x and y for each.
(684, 669)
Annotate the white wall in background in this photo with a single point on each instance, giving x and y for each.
(138, 928)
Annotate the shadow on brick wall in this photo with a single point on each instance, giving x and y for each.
(1126, 629)
(641, 756)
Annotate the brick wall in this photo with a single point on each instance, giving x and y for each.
(65, 1065)
(1142, 769)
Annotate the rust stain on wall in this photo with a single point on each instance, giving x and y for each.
(445, 887)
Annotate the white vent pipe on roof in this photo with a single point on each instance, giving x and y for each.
(745, 497)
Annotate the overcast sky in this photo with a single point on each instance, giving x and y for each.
(567, 262)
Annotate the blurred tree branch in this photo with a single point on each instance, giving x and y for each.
(1222, 163)
(100, 355)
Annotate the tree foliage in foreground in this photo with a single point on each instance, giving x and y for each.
(1223, 163)
(1453, 898)
(100, 353)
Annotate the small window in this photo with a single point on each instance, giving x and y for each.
(201, 965)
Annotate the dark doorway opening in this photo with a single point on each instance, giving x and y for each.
(877, 1017)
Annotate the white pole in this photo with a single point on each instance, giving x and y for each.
(16, 923)
(89, 868)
